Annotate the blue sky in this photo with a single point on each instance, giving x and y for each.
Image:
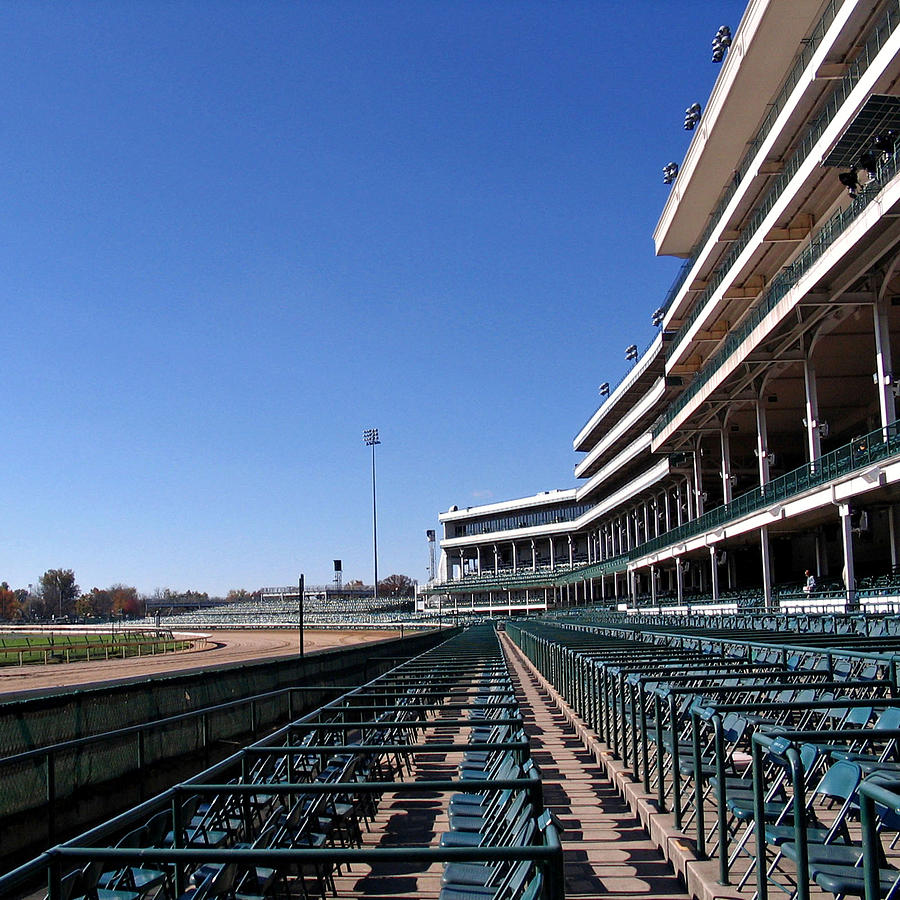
(236, 234)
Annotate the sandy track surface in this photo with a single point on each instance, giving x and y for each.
(223, 647)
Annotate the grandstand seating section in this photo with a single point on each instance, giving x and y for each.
(291, 814)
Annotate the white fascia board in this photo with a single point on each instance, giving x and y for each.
(647, 479)
(641, 408)
(889, 197)
(843, 490)
(545, 498)
(511, 534)
(677, 307)
(635, 486)
(810, 166)
(634, 449)
(636, 371)
(720, 92)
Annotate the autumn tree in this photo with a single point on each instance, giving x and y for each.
(10, 607)
(125, 600)
(59, 591)
(397, 586)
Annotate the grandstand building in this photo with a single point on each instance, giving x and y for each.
(756, 436)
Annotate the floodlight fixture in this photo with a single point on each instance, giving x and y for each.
(670, 170)
(884, 143)
(868, 162)
(604, 389)
(657, 317)
(631, 352)
(691, 116)
(850, 180)
(721, 42)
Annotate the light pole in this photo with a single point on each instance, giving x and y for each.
(370, 436)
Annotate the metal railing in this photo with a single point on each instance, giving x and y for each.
(861, 452)
(823, 239)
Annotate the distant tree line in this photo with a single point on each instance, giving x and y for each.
(58, 596)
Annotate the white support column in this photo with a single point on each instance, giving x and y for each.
(713, 573)
(552, 556)
(496, 561)
(845, 511)
(679, 579)
(646, 520)
(462, 564)
(698, 480)
(821, 562)
(602, 587)
(571, 556)
(766, 566)
(667, 510)
(884, 376)
(478, 559)
(726, 465)
(515, 558)
(679, 512)
(762, 438)
(689, 498)
(892, 535)
(653, 584)
(533, 557)
(813, 438)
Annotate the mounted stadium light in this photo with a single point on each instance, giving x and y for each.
(868, 162)
(604, 389)
(691, 116)
(670, 170)
(657, 317)
(884, 143)
(850, 180)
(631, 352)
(721, 42)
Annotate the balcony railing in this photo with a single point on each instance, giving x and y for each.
(780, 285)
(795, 76)
(844, 86)
(860, 453)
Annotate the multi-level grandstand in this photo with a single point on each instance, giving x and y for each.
(690, 717)
(272, 606)
(755, 437)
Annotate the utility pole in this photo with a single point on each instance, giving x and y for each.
(300, 601)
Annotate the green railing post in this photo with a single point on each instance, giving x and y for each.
(698, 785)
(50, 770)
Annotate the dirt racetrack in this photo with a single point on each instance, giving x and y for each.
(223, 647)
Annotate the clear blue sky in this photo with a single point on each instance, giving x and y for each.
(236, 234)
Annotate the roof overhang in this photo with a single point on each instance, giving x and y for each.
(764, 45)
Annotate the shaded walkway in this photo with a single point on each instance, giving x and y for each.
(608, 854)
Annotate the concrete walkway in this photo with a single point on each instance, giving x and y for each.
(608, 854)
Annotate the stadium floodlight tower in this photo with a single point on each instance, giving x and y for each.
(370, 436)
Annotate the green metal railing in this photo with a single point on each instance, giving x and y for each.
(858, 454)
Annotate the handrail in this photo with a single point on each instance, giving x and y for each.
(801, 61)
(876, 446)
(823, 239)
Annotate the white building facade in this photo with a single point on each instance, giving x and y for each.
(755, 437)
